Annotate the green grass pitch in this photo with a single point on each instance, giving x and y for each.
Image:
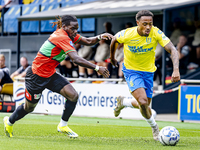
(39, 132)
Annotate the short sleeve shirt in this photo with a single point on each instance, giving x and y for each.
(52, 52)
(139, 51)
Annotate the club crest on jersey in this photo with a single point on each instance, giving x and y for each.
(159, 32)
(28, 95)
(148, 40)
(71, 43)
(131, 83)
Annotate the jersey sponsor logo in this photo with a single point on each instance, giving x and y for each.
(159, 32)
(148, 40)
(37, 96)
(139, 49)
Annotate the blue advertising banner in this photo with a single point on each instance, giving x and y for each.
(189, 102)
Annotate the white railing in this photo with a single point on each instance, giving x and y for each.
(189, 81)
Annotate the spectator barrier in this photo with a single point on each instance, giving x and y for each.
(95, 100)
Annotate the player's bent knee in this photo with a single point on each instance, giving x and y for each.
(29, 109)
(75, 97)
(143, 102)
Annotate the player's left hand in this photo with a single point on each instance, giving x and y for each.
(114, 62)
(104, 71)
(175, 76)
(106, 36)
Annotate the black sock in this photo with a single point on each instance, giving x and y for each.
(18, 114)
(100, 76)
(90, 75)
(81, 76)
(68, 110)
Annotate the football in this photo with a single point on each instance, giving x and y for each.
(169, 136)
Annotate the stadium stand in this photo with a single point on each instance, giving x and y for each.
(37, 1)
(68, 3)
(10, 19)
(26, 2)
(87, 1)
(88, 24)
(46, 26)
(30, 26)
(33, 6)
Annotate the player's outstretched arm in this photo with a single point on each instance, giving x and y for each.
(170, 48)
(84, 63)
(93, 40)
(112, 51)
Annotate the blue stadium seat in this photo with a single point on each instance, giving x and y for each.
(44, 1)
(88, 24)
(54, 1)
(30, 26)
(79, 23)
(10, 19)
(46, 26)
(68, 3)
(37, 2)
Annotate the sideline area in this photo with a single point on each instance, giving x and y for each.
(172, 117)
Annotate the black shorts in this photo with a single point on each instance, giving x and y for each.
(35, 85)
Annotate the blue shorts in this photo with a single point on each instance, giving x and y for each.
(139, 79)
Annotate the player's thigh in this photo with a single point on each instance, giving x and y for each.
(148, 82)
(34, 86)
(140, 96)
(69, 93)
(149, 100)
(140, 93)
(135, 83)
(57, 82)
(61, 85)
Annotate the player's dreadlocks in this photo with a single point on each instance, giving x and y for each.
(65, 20)
(143, 13)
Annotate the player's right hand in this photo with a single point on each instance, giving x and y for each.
(175, 76)
(114, 62)
(104, 71)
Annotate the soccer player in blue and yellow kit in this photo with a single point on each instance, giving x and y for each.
(139, 64)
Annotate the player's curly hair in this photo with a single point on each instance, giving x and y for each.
(65, 20)
(143, 13)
